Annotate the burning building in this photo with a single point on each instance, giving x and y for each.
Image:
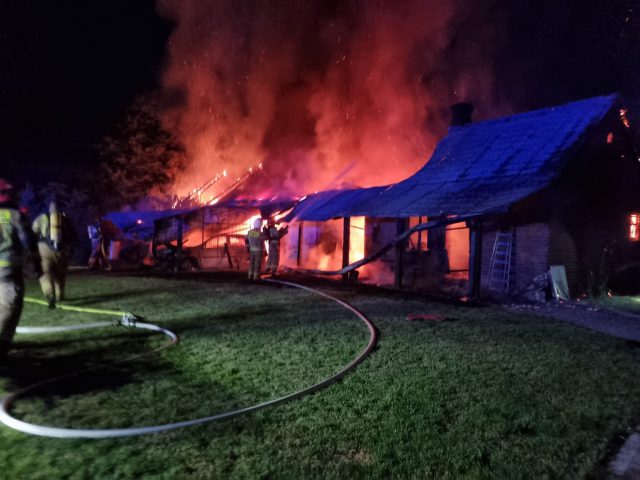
(212, 235)
(501, 201)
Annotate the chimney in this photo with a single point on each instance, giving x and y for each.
(461, 114)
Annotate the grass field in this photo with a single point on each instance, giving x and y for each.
(485, 394)
(628, 303)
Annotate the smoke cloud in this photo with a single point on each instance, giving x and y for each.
(323, 93)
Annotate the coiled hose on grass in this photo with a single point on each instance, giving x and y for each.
(129, 320)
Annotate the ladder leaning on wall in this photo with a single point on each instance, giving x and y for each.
(500, 270)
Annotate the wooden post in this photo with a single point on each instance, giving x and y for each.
(227, 252)
(475, 258)
(202, 242)
(401, 226)
(202, 228)
(300, 242)
(179, 245)
(346, 243)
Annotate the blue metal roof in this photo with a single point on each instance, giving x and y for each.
(139, 223)
(321, 206)
(485, 166)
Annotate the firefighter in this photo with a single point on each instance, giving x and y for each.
(15, 238)
(52, 231)
(255, 245)
(98, 259)
(273, 235)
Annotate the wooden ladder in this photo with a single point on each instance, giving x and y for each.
(499, 273)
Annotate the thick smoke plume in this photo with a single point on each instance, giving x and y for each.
(323, 93)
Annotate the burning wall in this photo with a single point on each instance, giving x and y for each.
(321, 248)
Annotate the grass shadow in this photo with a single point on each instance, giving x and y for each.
(32, 363)
(91, 299)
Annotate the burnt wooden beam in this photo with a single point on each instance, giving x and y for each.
(346, 243)
(227, 253)
(402, 225)
(300, 242)
(178, 266)
(475, 258)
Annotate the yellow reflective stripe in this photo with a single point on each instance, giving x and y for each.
(41, 226)
(5, 216)
(77, 309)
(8, 263)
(55, 228)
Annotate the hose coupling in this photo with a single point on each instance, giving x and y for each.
(128, 320)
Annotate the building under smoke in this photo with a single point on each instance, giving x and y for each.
(506, 199)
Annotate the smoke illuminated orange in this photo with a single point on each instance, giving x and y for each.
(323, 98)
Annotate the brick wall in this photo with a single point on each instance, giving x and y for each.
(562, 251)
(530, 254)
(529, 258)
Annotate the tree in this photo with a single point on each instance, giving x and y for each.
(140, 157)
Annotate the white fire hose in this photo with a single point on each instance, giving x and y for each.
(130, 321)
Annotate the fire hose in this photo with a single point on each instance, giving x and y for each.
(129, 320)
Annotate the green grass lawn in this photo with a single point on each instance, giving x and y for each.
(626, 303)
(486, 394)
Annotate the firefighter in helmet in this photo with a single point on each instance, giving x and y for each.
(98, 259)
(273, 234)
(15, 238)
(255, 245)
(52, 230)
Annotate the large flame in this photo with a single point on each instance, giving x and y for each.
(324, 93)
(321, 94)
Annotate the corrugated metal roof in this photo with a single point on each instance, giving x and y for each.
(321, 206)
(129, 219)
(139, 223)
(486, 166)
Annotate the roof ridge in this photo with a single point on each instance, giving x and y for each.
(610, 96)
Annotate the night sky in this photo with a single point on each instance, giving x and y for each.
(68, 69)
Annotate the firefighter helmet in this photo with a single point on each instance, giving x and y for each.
(257, 223)
(7, 192)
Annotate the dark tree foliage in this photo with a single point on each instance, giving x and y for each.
(139, 158)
